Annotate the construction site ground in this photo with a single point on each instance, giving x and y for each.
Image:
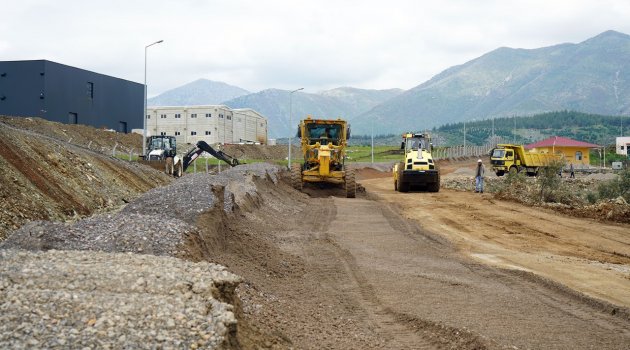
(386, 270)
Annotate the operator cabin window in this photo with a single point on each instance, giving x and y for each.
(208, 133)
(509, 155)
(90, 90)
(578, 155)
(208, 115)
(193, 133)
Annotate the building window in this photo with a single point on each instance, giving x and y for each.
(578, 155)
(178, 115)
(162, 116)
(148, 116)
(177, 133)
(208, 115)
(163, 133)
(229, 117)
(194, 115)
(622, 148)
(261, 124)
(90, 90)
(220, 116)
(208, 133)
(193, 133)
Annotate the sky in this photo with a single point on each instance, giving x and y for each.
(285, 44)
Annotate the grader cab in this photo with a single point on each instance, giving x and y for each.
(323, 146)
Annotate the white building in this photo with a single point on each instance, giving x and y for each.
(213, 124)
(622, 145)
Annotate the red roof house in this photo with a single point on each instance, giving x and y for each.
(574, 151)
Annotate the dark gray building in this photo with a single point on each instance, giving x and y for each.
(69, 95)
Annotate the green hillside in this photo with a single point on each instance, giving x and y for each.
(591, 76)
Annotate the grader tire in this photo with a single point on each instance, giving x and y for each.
(296, 176)
(351, 184)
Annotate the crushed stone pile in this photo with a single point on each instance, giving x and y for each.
(157, 222)
(61, 299)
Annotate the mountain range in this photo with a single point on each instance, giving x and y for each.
(591, 76)
(198, 92)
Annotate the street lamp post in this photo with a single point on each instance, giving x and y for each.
(291, 121)
(144, 116)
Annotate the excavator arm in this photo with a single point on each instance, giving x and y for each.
(203, 146)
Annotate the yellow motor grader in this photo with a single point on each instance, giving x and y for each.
(323, 145)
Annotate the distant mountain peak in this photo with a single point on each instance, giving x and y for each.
(198, 92)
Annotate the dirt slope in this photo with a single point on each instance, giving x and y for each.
(47, 179)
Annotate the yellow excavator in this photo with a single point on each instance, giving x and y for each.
(323, 145)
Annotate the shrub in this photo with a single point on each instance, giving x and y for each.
(616, 188)
(550, 181)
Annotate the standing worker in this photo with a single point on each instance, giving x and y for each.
(572, 171)
(479, 176)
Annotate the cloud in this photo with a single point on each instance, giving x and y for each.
(287, 44)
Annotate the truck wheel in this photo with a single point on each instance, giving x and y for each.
(513, 170)
(351, 184)
(169, 166)
(500, 173)
(296, 176)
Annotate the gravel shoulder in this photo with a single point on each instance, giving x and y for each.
(61, 299)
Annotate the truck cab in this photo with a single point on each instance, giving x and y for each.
(502, 159)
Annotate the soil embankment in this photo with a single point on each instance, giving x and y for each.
(45, 178)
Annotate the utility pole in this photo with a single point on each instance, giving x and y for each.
(464, 136)
(291, 121)
(372, 142)
(514, 141)
(144, 116)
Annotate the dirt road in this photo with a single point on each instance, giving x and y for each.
(343, 273)
(583, 254)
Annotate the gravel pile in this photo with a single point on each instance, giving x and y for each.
(156, 223)
(71, 299)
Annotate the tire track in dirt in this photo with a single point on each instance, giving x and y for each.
(406, 331)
